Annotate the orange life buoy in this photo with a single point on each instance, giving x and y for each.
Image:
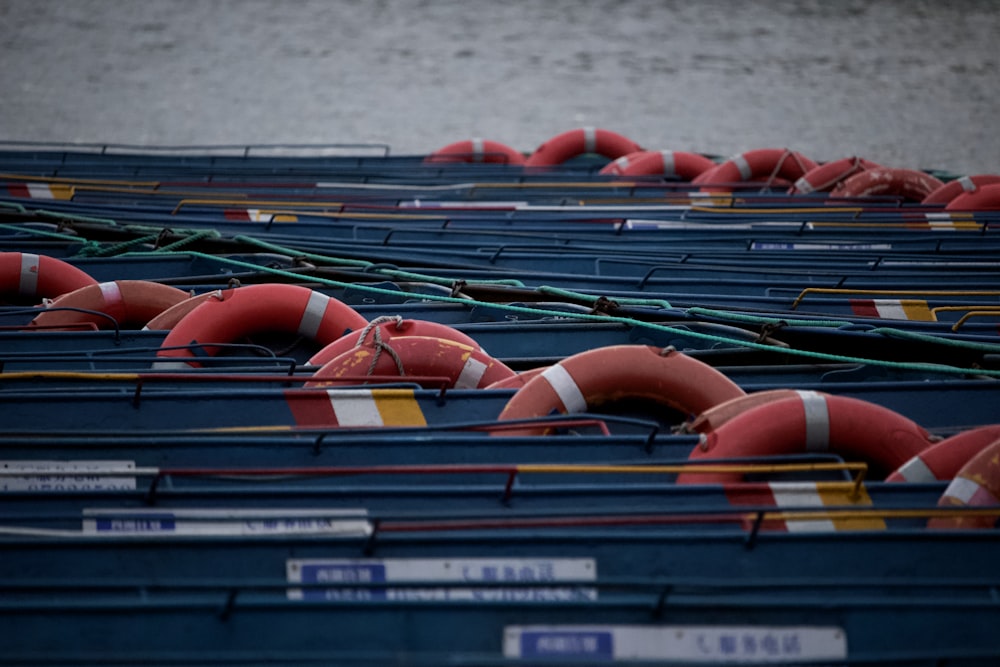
(826, 176)
(169, 318)
(672, 164)
(387, 328)
(476, 150)
(422, 356)
(811, 422)
(581, 141)
(131, 303)
(948, 191)
(942, 461)
(768, 164)
(719, 414)
(985, 198)
(28, 278)
(244, 311)
(518, 380)
(977, 484)
(619, 372)
(888, 181)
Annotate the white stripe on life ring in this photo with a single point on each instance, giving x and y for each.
(111, 292)
(744, 167)
(803, 186)
(589, 140)
(478, 149)
(312, 318)
(28, 285)
(915, 470)
(970, 492)
(669, 165)
(565, 387)
(817, 421)
(472, 373)
(967, 184)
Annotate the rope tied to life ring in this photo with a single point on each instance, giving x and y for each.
(378, 344)
(781, 163)
(835, 172)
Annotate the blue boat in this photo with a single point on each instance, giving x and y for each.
(479, 408)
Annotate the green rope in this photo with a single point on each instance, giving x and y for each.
(117, 248)
(926, 338)
(363, 264)
(628, 321)
(41, 232)
(17, 207)
(88, 245)
(73, 217)
(628, 301)
(191, 238)
(759, 319)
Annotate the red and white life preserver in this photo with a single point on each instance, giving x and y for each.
(811, 422)
(619, 372)
(168, 319)
(985, 198)
(887, 181)
(30, 278)
(943, 460)
(245, 311)
(828, 175)
(476, 150)
(385, 329)
(581, 141)
(518, 380)
(672, 164)
(131, 303)
(768, 164)
(952, 189)
(719, 414)
(977, 484)
(420, 356)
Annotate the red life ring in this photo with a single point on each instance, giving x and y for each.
(476, 150)
(30, 278)
(256, 309)
(465, 366)
(619, 372)
(825, 177)
(985, 198)
(948, 191)
(169, 318)
(906, 183)
(517, 381)
(385, 329)
(581, 141)
(718, 415)
(768, 164)
(673, 164)
(811, 422)
(977, 484)
(944, 459)
(130, 302)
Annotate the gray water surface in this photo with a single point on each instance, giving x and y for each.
(904, 82)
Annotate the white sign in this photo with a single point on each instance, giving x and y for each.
(747, 644)
(61, 476)
(453, 571)
(197, 521)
